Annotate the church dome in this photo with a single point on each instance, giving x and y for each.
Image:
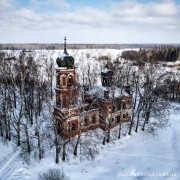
(65, 60)
(107, 72)
(107, 75)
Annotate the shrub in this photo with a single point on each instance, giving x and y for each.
(53, 174)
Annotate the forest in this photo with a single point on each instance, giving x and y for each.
(156, 54)
(56, 46)
(27, 81)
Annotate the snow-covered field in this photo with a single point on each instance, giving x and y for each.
(139, 153)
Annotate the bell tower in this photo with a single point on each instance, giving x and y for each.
(66, 85)
(66, 91)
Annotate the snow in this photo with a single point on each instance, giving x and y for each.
(105, 70)
(63, 55)
(98, 91)
(139, 153)
(11, 166)
(6, 149)
(61, 68)
(173, 63)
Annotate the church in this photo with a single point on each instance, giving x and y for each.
(80, 109)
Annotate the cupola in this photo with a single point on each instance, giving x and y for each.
(65, 60)
(106, 75)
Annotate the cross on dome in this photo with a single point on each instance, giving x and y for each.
(65, 51)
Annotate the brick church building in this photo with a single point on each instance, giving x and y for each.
(79, 109)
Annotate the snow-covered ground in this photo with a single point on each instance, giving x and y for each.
(139, 153)
(11, 166)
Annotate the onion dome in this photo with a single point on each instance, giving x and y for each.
(65, 60)
(107, 72)
(127, 89)
(107, 75)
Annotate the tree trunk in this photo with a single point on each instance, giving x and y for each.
(144, 124)
(39, 103)
(39, 145)
(119, 135)
(14, 96)
(51, 88)
(5, 120)
(18, 133)
(57, 154)
(9, 129)
(27, 140)
(64, 152)
(108, 136)
(18, 127)
(131, 124)
(76, 146)
(177, 90)
(104, 141)
(32, 103)
(146, 120)
(1, 128)
(173, 92)
(134, 106)
(137, 125)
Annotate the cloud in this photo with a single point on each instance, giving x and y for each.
(4, 4)
(124, 13)
(27, 15)
(120, 18)
(151, 13)
(151, 8)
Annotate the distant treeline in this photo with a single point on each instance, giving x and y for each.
(53, 46)
(158, 53)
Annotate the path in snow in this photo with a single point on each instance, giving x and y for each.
(12, 169)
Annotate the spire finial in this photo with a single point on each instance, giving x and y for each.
(107, 65)
(65, 40)
(65, 51)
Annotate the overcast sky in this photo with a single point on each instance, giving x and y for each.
(90, 21)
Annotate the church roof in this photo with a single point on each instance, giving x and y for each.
(65, 60)
(98, 92)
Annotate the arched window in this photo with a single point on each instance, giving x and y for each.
(113, 109)
(112, 120)
(86, 122)
(58, 79)
(70, 80)
(124, 105)
(94, 120)
(104, 81)
(118, 119)
(59, 127)
(73, 126)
